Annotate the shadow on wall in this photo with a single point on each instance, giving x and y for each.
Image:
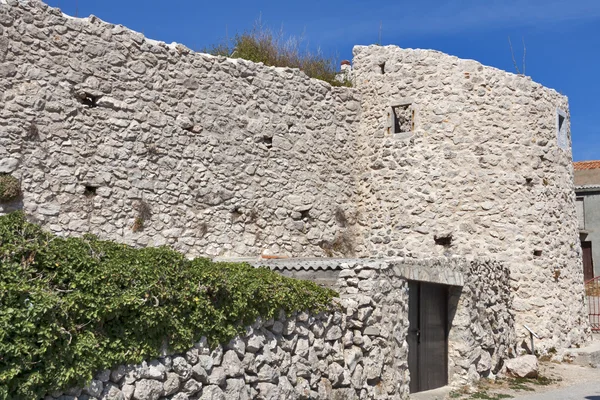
(14, 205)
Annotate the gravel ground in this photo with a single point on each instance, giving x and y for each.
(560, 381)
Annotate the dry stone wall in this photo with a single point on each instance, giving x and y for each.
(479, 173)
(150, 144)
(146, 143)
(358, 350)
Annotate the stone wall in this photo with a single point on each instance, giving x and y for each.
(149, 144)
(219, 157)
(479, 172)
(357, 350)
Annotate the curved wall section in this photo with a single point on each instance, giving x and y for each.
(475, 169)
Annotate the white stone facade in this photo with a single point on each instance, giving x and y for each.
(234, 159)
(482, 166)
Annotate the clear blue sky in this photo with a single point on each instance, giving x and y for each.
(562, 36)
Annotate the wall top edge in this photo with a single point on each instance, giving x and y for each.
(374, 50)
(174, 48)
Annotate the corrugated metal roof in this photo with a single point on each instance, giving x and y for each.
(583, 165)
(304, 264)
(295, 264)
(587, 187)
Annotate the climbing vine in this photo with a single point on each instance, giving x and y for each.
(70, 307)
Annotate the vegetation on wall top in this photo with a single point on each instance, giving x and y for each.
(261, 44)
(70, 307)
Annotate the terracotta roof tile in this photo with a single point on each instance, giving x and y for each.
(581, 165)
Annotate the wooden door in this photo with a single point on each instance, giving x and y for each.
(588, 263)
(427, 336)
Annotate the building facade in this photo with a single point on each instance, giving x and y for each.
(587, 189)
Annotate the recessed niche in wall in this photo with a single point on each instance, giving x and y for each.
(561, 129)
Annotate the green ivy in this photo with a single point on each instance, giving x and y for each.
(70, 307)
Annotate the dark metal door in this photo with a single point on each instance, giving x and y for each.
(588, 264)
(427, 336)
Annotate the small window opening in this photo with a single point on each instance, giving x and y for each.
(537, 253)
(561, 129)
(444, 240)
(90, 191)
(382, 67)
(561, 121)
(403, 118)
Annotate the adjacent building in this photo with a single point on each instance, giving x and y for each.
(587, 189)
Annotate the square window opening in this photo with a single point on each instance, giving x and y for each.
(403, 118)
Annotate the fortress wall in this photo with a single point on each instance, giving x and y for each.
(149, 144)
(481, 166)
(230, 157)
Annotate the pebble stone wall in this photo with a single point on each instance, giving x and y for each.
(219, 157)
(481, 173)
(146, 143)
(358, 350)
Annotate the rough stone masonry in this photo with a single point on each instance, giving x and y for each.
(357, 350)
(427, 155)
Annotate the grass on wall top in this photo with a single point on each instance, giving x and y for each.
(261, 44)
(70, 307)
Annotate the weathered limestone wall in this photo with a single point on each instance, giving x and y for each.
(481, 165)
(356, 351)
(225, 157)
(232, 157)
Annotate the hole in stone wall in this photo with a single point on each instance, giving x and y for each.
(402, 118)
(537, 253)
(305, 215)
(268, 141)
(90, 191)
(443, 240)
(382, 67)
(88, 99)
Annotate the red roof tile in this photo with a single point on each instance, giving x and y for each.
(581, 165)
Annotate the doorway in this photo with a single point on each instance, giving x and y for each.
(427, 335)
(588, 264)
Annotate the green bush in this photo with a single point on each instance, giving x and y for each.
(262, 45)
(10, 188)
(70, 307)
